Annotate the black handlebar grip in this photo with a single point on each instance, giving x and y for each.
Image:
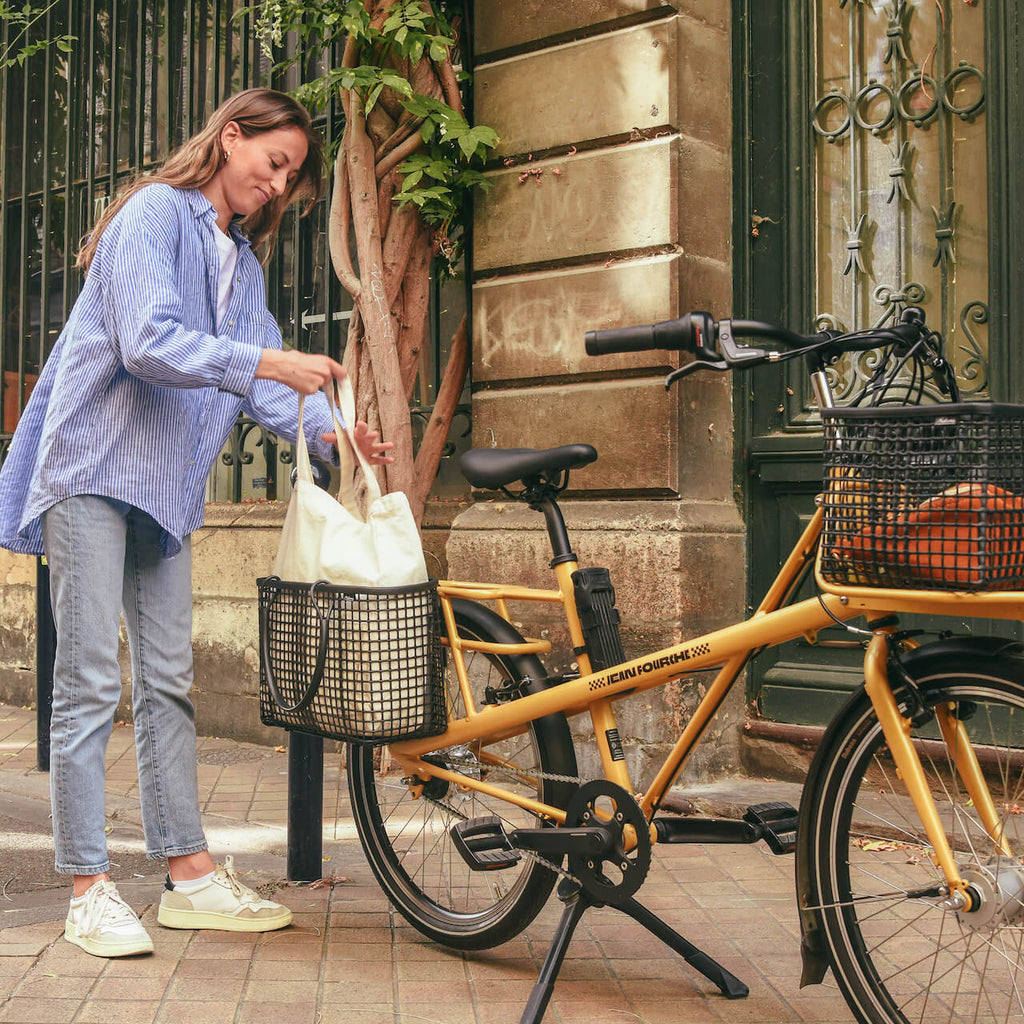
(669, 334)
(620, 339)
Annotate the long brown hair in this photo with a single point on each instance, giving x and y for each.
(198, 160)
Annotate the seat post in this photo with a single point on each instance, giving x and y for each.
(547, 502)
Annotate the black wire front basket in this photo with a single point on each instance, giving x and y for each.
(355, 664)
(924, 497)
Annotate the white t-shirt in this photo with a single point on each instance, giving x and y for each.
(228, 252)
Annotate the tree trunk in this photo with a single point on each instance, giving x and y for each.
(391, 287)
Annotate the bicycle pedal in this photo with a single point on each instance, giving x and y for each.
(777, 824)
(483, 844)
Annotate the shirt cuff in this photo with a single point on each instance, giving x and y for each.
(240, 369)
(321, 448)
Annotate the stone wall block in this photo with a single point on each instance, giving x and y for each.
(668, 577)
(604, 86)
(606, 201)
(672, 564)
(705, 200)
(240, 550)
(631, 423)
(17, 628)
(529, 326)
(17, 570)
(703, 100)
(217, 713)
(704, 283)
(500, 25)
(706, 437)
(713, 13)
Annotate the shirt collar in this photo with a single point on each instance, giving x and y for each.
(201, 206)
(203, 209)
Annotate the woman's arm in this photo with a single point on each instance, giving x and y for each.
(150, 266)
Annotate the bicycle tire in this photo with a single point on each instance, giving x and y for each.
(897, 954)
(407, 842)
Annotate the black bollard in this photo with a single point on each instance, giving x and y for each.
(305, 807)
(46, 649)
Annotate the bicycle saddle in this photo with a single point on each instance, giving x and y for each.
(495, 467)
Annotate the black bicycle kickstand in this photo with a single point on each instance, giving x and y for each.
(593, 840)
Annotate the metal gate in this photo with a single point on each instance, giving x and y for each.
(869, 178)
(901, 166)
(141, 77)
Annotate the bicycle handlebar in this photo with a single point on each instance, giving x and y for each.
(713, 343)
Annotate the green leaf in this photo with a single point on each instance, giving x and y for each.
(396, 82)
(374, 95)
(486, 136)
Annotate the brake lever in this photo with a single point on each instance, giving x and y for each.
(718, 365)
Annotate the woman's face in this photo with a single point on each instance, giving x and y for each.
(259, 168)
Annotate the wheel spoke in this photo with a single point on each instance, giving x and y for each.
(409, 842)
(899, 950)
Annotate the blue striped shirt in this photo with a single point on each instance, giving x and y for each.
(140, 392)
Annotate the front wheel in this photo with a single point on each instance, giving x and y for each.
(898, 948)
(407, 841)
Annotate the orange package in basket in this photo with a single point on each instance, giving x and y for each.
(967, 536)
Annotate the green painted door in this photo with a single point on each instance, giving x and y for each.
(873, 169)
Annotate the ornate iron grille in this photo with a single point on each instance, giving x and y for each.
(901, 174)
(141, 77)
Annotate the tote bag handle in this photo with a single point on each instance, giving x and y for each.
(340, 397)
(316, 678)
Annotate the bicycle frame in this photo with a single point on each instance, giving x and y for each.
(775, 621)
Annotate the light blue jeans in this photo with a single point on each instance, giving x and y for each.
(105, 557)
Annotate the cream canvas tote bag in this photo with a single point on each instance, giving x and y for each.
(333, 539)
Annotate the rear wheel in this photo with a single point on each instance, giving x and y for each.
(899, 951)
(407, 841)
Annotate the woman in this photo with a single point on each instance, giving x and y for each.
(106, 474)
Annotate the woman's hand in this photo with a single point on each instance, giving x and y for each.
(306, 372)
(369, 443)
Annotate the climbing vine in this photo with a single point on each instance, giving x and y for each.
(404, 169)
(17, 43)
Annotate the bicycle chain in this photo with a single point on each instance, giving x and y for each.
(460, 766)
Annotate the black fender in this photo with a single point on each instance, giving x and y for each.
(970, 653)
(553, 730)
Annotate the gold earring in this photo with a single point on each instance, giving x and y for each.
(227, 155)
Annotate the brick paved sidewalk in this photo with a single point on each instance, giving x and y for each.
(348, 959)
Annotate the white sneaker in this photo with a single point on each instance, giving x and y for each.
(224, 903)
(103, 924)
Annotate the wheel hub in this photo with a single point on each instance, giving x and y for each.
(997, 895)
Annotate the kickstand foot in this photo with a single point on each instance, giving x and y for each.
(728, 984)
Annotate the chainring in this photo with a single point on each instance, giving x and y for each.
(618, 874)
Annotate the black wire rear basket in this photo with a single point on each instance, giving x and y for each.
(924, 497)
(350, 663)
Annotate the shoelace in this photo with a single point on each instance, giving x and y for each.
(103, 901)
(238, 889)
